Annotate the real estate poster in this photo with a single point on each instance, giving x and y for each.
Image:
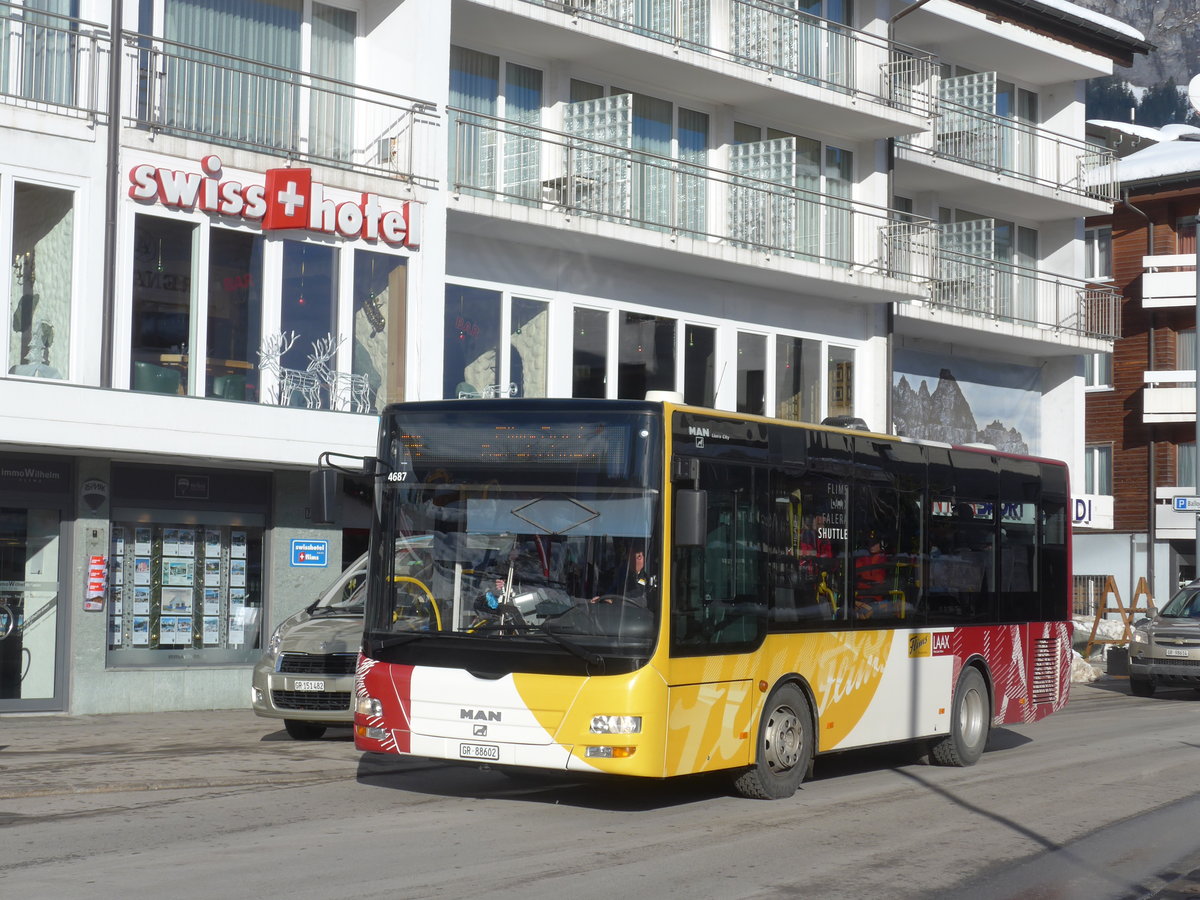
(237, 572)
(212, 601)
(187, 542)
(141, 631)
(114, 631)
(141, 570)
(118, 601)
(170, 542)
(141, 541)
(178, 572)
(118, 540)
(212, 572)
(236, 635)
(237, 544)
(166, 631)
(176, 600)
(141, 601)
(212, 631)
(212, 543)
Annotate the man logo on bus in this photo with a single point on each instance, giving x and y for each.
(489, 715)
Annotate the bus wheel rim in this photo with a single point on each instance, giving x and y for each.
(784, 739)
(970, 719)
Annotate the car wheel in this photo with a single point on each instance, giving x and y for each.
(1140, 686)
(785, 747)
(970, 722)
(303, 731)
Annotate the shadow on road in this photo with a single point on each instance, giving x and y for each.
(1120, 685)
(335, 734)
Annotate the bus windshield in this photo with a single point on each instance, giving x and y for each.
(522, 531)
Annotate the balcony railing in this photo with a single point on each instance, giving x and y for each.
(172, 88)
(551, 170)
(779, 39)
(1169, 280)
(54, 63)
(1005, 292)
(1020, 150)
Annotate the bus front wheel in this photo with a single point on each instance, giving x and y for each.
(970, 722)
(785, 747)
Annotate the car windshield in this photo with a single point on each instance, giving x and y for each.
(1184, 605)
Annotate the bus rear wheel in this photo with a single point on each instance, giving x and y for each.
(970, 722)
(785, 747)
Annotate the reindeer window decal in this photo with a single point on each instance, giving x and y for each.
(344, 390)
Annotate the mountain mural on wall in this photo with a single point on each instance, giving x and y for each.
(945, 414)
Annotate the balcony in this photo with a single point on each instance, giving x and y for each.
(973, 300)
(557, 189)
(1015, 168)
(1169, 280)
(173, 89)
(855, 83)
(52, 63)
(1169, 396)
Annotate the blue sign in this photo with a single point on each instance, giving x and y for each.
(1187, 504)
(310, 553)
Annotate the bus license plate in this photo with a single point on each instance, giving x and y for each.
(308, 685)
(478, 751)
(1173, 652)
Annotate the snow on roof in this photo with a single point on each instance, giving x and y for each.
(1168, 159)
(1082, 12)
(1145, 132)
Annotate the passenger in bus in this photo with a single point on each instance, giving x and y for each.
(490, 603)
(870, 576)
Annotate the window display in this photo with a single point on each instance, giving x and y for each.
(185, 593)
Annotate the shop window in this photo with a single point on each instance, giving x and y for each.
(751, 373)
(589, 359)
(647, 355)
(380, 290)
(163, 251)
(471, 352)
(184, 593)
(308, 310)
(42, 266)
(841, 382)
(528, 343)
(797, 378)
(700, 366)
(235, 277)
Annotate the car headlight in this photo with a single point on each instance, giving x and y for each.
(1139, 637)
(275, 641)
(616, 725)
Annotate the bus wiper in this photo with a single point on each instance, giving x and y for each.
(592, 659)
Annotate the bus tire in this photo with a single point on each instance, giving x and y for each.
(1140, 686)
(303, 731)
(785, 747)
(970, 722)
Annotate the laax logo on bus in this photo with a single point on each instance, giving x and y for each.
(288, 200)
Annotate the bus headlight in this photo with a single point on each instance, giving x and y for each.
(609, 752)
(616, 725)
(369, 707)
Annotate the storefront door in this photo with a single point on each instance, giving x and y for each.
(30, 632)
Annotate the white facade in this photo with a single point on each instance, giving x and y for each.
(768, 211)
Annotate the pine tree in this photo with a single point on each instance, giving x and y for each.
(1161, 105)
(1110, 98)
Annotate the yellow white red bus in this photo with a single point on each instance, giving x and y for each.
(804, 590)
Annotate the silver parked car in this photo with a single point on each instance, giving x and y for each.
(306, 675)
(1165, 649)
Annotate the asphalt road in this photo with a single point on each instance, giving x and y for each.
(1101, 800)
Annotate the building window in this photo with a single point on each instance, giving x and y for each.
(700, 366)
(1185, 465)
(42, 281)
(380, 307)
(647, 355)
(211, 86)
(752, 373)
(472, 343)
(589, 353)
(1185, 349)
(528, 347)
(235, 277)
(1097, 260)
(797, 378)
(163, 299)
(1097, 370)
(841, 382)
(1097, 469)
(1185, 235)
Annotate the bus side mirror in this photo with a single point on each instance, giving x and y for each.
(691, 517)
(323, 496)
